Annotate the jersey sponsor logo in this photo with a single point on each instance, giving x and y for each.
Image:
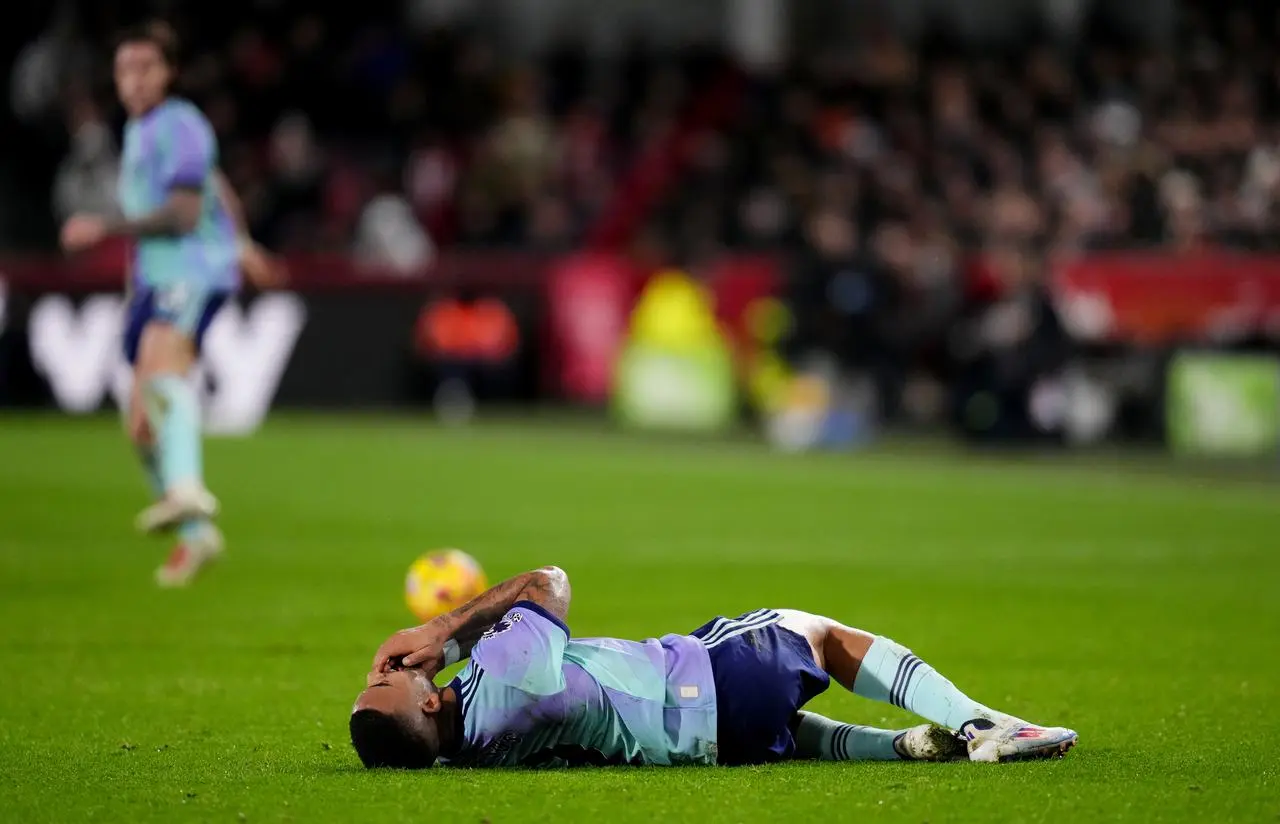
(502, 626)
(245, 355)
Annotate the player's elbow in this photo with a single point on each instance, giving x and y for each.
(551, 583)
(553, 577)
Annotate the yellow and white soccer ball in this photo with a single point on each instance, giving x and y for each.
(441, 581)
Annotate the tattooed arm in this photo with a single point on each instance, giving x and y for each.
(425, 645)
(547, 587)
(178, 216)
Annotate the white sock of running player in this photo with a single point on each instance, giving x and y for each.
(891, 673)
(192, 528)
(821, 738)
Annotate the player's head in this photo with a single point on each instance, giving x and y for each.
(146, 62)
(394, 721)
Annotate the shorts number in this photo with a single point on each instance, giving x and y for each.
(172, 300)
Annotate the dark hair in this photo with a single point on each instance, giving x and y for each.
(157, 33)
(383, 740)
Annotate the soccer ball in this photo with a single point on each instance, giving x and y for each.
(441, 581)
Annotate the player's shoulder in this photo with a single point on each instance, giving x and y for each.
(180, 111)
(524, 649)
(181, 107)
(521, 621)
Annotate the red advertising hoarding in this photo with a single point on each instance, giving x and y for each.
(1162, 299)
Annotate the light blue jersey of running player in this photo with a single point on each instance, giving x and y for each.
(531, 696)
(171, 147)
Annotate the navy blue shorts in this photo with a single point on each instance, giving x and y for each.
(764, 674)
(189, 308)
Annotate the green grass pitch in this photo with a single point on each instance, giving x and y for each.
(1138, 606)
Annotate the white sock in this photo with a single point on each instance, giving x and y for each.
(189, 530)
(891, 673)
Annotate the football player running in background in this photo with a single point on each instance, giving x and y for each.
(189, 248)
(729, 693)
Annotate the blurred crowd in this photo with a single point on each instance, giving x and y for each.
(925, 190)
(339, 130)
(1110, 145)
(920, 188)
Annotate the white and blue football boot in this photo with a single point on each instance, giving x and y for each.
(1015, 740)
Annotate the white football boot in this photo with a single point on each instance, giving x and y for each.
(189, 557)
(930, 742)
(1015, 740)
(181, 503)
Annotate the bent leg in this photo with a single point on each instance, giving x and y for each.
(153, 359)
(878, 668)
(165, 357)
(166, 352)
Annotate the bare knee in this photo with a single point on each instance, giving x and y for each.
(164, 350)
(813, 628)
(837, 649)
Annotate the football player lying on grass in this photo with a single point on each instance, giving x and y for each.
(729, 693)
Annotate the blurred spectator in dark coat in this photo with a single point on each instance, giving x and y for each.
(1009, 348)
(845, 303)
(87, 177)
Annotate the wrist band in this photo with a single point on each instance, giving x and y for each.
(451, 653)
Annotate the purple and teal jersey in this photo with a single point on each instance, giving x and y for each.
(532, 696)
(173, 146)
